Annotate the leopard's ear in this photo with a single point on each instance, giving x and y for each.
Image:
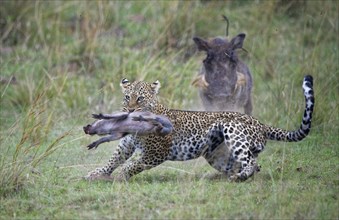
(124, 84)
(156, 86)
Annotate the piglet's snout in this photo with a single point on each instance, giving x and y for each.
(87, 130)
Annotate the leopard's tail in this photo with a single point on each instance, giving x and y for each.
(305, 127)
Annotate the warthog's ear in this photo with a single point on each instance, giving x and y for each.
(124, 83)
(237, 42)
(156, 86)
(201, 43)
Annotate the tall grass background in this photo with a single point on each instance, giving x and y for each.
(63, 60)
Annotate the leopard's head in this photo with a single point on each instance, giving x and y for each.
(139, 95)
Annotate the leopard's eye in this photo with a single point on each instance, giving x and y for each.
(127, 97)
(140, 99)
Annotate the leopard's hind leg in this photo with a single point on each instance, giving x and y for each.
(229, 151)
(243, 167)
(237, 164)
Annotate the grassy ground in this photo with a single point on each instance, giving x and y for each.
(62, 61)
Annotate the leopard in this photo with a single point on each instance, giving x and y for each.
(229, 141)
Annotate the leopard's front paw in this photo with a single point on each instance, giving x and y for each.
(233, 178)
(237, 178)
(97, 175)
(121, 178)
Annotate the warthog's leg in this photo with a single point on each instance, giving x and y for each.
(248, 106)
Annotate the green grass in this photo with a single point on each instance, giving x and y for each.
(68, 59)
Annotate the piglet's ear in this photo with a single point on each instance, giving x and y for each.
(124, 84)
(238, 41)
(156, 86)
(201, 43)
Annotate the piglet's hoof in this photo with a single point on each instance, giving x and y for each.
(92, 145)
(98, 116)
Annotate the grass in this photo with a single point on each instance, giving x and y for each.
(68, 59)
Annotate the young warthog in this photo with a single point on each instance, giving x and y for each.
(121, 124)
(224, 81)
